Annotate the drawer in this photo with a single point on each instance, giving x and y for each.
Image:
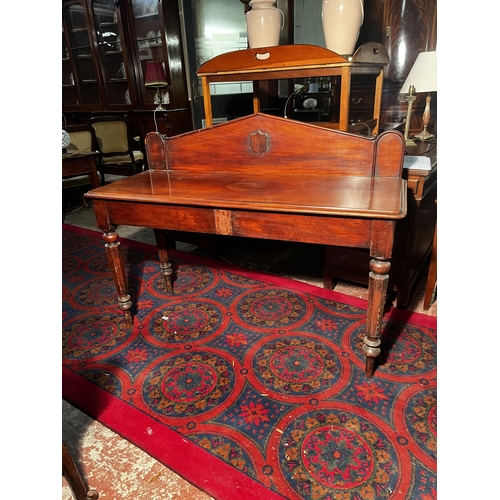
(347, 259)
(362, 99)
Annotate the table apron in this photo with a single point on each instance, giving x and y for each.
(306, 228)
(77, 167)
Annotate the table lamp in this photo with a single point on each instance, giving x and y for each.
(422, 78)
(155, 77)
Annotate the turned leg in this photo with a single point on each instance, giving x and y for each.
(115, 259)
(165, 266)
(377, 291)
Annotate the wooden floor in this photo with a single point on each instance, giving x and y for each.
(116, 468)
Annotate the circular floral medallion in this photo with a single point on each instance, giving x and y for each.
(271, 308)
(70, 264)
(296, 366)
(335, 453)
(71, 242)
(99, 264)
(188, 385)
(337, 457)
(101, 292)
(189, 279)
(94, 336)
(186, 322)
(188, 382)
(406, 350)
(421, 420)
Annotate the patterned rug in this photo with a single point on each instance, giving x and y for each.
(246, 384)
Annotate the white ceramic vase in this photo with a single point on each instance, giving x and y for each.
(342, 20)
(264, 23)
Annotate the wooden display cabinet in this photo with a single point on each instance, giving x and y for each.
(95, 67)
(106, 45)
(153, 26)
(293, 62)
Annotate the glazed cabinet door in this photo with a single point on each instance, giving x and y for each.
(155, 36)
(80, 72)
(96, 70)
(116, 70)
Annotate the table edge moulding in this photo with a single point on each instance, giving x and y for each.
(296, 61)
(262, 176)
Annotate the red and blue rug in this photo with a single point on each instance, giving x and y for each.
(248, 385)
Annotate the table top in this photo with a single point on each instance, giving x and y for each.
(291, 58)
(383, 198)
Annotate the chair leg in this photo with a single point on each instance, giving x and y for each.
(100, 169)
(74, 478)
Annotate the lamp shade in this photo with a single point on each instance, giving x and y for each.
(423, 74)
(155, 75)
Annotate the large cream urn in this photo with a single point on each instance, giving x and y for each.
(264, 23)
(342, 20)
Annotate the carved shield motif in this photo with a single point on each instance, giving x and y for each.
(259, 142)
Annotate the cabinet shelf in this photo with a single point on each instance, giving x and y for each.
(146, 16)
(143, 43)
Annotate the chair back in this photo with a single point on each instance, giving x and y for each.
(112, 136)
(82, 138)
(116, 145)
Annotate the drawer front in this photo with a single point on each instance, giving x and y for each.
(347, 259)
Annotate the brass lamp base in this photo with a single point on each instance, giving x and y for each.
(424, 135)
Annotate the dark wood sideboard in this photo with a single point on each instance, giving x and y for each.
(412, 240)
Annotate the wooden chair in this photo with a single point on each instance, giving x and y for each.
(119, 151)
(83, 139)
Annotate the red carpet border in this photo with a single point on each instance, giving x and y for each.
(246, 384)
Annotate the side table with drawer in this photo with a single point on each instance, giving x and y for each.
(412, 240)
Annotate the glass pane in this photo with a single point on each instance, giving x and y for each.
(109, 40)
(216, 34)
(149, 40)
(81, 50)
(69, 97)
